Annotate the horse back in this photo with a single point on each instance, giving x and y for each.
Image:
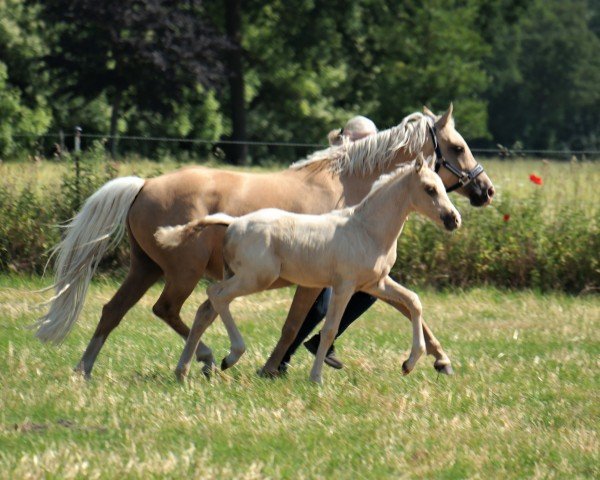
(191, 193)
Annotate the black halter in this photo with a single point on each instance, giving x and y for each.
(464, 178)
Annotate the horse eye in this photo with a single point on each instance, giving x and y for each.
(458, 149)
(430, 191)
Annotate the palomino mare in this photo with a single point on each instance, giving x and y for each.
(336, 177)
(350, 250)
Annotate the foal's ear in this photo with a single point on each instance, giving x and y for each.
(428, 112)
(430, 162)
(441, 123)
(419, 162)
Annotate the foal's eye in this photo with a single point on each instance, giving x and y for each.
(458, 149)
(430, 191)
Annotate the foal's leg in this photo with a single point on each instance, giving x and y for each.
(337, 305)
(205, 315)
(223, 293)
(442, 363)
(304, 298)
(393, 291)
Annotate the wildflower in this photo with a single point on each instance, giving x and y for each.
(506, 217)
(535, 179)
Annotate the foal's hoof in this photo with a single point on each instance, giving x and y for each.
(405, 369)
(224, 364)
(444, 369)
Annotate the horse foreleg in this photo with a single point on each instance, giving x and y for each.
(390, 290)
(442, 363)
(304, 298)
(339, 300)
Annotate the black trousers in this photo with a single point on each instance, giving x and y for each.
(359, 303)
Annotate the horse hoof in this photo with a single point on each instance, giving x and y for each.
(207, 370)
(444, 369)
(316, 380)
(80, 370)
(405, 369)
(263, 373)
(180, 376)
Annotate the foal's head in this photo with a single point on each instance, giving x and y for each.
(428, 196)
(457, 153)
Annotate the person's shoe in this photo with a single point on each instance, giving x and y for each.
(312, 346)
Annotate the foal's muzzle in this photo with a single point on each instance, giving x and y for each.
(451, 221)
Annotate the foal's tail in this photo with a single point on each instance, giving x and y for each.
(88, 237)
(171, 237)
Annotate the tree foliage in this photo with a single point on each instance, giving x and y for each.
(518, 71)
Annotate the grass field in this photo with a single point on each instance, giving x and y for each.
(523, 403)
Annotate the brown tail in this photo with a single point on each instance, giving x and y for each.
(171, 237)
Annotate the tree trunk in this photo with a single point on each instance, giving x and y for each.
(237, 153)
(114, 118)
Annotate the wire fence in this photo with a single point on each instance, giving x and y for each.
(59, 140)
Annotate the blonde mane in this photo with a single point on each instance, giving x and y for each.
(372, 153)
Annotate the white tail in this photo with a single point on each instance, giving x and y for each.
(87, 239)
(171, 237)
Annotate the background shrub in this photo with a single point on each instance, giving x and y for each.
(541, 237)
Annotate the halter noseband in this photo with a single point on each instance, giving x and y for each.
(464, 178)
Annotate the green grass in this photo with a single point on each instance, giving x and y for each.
(523, 402)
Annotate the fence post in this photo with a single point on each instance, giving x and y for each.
(77, 149)
(61, 142)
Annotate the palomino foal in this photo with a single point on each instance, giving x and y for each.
(350, 250)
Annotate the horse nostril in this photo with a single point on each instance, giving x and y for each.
(491, 191)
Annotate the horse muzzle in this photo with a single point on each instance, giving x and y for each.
(480, 195)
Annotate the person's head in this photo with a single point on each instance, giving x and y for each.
(357, 127)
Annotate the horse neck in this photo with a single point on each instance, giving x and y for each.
(384, 212)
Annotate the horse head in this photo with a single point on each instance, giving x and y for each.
(455, 163)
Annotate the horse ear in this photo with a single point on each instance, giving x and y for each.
(419, 162)
(445, 117)
(428, 112)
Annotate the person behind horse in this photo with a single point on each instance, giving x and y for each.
(357, 127)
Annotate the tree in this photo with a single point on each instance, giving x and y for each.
(141, 53)
(24, 88)
(554, 100)
(233, 22)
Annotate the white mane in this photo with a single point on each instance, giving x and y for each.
(374, 152)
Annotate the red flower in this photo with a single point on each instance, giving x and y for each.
(506, 217)
(535, 179)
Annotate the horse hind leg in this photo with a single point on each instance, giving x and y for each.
(177, 289)
(143, 273)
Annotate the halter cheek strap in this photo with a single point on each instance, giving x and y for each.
(464, 177)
